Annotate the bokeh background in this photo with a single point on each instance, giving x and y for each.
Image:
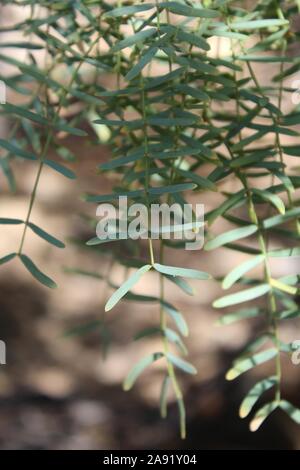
(60, 390)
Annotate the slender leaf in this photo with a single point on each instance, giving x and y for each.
(250, 362)
(231, 236)
(36, 273)
(126, 286)
(242, 296)
(254, 395)
(46, 236)
(136, 371)
(181, 364)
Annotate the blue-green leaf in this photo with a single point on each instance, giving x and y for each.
(9, 221)
(60, 169)
(262, 414)
(126, 286)
(139, 37)
(246, 364)
(181, 364)
(242, 296)
(240, 270)
(183, 272)
(139, 368)
(46, 236)
(231, 236)
(144, 60)
(254, 394)
(7, 258)
(36, 273)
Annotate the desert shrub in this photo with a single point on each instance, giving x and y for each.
(180, 119)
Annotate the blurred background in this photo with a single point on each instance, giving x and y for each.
(61, 390)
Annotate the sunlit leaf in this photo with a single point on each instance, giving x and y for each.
(250, 362)
(126, 286)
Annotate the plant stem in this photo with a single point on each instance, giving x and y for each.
(46, 147)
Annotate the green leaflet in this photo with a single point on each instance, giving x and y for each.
(60, 168)
(82, 272)
(197, 179)
(280, 219)
(231, 236)
(140, 298)
(21, 45)
(154, 330)
(61, 126)
(163, 79)
(272, 198)
(231, 202)
(264, 58)
(8, 221)
(262, 414)
(181, 283)
(116, 236)
(36, 273)
(192, 39)
(163, 396)
(293, 151)
(239, 315)
(183, 272)
(145, 60)
(176, 188)
(46, 236)
(170, 122)
(286, 181)
(240, 270)
(229, 34)
(293, 412)
(181, 364)
(176, 316)
(253, 346)
(254, 394)
(246, 160)
(284, 252)
(129, 10)
(126, 286)
(291, 119)
(191, 91)
(197, 65)
(120, 161)
(139, 368)
(87, 98)
(246, 364)
(246, 141)
(7, 172)
(181, 152)
(256, 24)
(283, 287)
(185, 10)
(172, 336)
(242, 296)
(24, 113)
(16, 150)
(7, 258)
(111, 197)
(30, 70)
(139, 37)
